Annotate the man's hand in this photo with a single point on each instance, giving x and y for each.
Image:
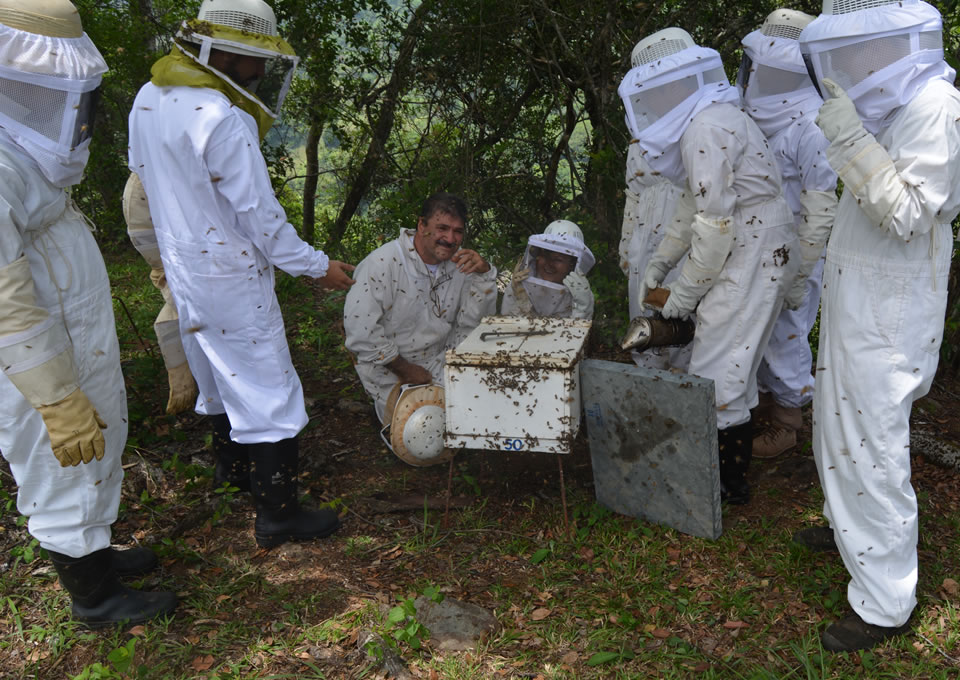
(469, 262)
(337, 277)
(410, 373)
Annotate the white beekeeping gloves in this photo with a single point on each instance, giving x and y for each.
(675, 244)
(816, 221)
(864, 166)
(136, 212)
(709, 248)
(37, 357)
(579, 289)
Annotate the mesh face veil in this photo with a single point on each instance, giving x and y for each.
(671, 81)
(560, 248)
(48, 94)
(663, 80)
(248, 29)
(880, 53)
(771, 63)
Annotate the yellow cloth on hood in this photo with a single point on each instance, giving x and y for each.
(178, 69)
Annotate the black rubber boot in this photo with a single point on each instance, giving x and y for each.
(233, 462)
(273, 482)
(735, 446)
(852, 633)
(133, 561)
(818, 539)
(99, 599)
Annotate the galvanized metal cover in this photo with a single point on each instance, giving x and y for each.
(521, 341)
(653, 445)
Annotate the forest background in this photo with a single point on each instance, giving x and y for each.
(512, 104)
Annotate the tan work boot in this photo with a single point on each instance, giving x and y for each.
(779, 433)
(761, 412)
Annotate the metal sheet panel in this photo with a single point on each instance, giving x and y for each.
(653, 444)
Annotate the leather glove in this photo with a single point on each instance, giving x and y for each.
(653, 277)
(520, 274)
(797, 293)
(522, 303)
(579, 289)
(818, 211)
(865, 166)
(838, 118)
(675, 244)
(713, 239)
(680, 304)
(183, 389)
(74, 428)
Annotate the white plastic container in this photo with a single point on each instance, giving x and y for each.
(513, 384)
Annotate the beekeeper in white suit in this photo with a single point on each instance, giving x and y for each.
(416, 297)
(780, 97)
(195, 133)
(63, 410)
(651, 201)
(891, 115)
(550, 279)
(686, 116)
(136, 213)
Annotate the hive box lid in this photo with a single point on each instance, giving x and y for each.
(520, 341)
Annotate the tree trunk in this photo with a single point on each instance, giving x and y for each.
(314, 134)
(381, 129)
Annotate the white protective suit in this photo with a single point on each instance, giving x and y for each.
(651, 201)
(396, 308)
(70, 509)
(882, 317)
(732, 172)
(221, 231)
(786, 117)
(136, 213)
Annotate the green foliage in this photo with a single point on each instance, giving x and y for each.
(120, 660)
(25, 553)
(402, 628)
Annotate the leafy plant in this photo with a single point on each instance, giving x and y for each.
(402, 625)
(120, 660)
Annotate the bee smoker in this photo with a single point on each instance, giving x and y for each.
(645, 332)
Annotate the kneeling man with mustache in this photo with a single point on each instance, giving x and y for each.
(414, 298)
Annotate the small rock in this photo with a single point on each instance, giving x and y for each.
(353, 407)
(455, 625)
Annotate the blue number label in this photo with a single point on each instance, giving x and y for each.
(513, 444)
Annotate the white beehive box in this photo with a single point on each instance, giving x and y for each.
(513, 384)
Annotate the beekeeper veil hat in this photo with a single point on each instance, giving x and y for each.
(881, 52)
(773, 80)
(49, 74)
(672, 80)
(247, 28)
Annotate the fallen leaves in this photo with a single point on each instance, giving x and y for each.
(202, 663)
(540, 613)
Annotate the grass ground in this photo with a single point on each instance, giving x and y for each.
(617, 598)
